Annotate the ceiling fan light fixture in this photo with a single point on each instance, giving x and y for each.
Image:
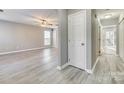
(49, 26)
(45, 23)
(107, 16)
(1, 10)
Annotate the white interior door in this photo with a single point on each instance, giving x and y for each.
(77, 39)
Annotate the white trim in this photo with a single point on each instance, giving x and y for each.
(97, 60)
(99, 22)
(62, 67)
(92, 70)
(89, 71)
(122, 58)
(4, 53)
(59, 68)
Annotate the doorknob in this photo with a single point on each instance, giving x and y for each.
(82, 44)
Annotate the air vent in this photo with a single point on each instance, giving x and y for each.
(1, 10)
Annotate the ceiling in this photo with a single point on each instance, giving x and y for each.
(114, 12)
(33, 16)
(112, 20)
(30, 16)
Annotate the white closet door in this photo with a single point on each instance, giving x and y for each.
(77, 39)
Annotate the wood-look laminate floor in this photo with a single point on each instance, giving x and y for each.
(35, 67)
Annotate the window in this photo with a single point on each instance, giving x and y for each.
(47, 38)
(110, 39)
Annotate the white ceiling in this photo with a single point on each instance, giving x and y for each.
(30, 16)
(113, 20)
(115, 12)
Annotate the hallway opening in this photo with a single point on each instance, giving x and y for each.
(108, 40)
(108, 34)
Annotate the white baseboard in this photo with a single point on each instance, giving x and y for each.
(121, 58)
(62, 67)
(92, 70)
(97, 60)
(4, 53)
(89, 71)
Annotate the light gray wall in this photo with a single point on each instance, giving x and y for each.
(88, 39)
(63, 36)
(95, 38)
(14, 36)
(117, 39)
(121, 38)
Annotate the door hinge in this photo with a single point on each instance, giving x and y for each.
(69, 59)
(99, 52)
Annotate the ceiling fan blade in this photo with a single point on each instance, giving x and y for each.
(1, 10)
(34, 17)
(40, 20)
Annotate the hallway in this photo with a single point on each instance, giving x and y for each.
(109, 70)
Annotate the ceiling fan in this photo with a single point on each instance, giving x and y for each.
(46, 23)
(1, 10)
(43, 22)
